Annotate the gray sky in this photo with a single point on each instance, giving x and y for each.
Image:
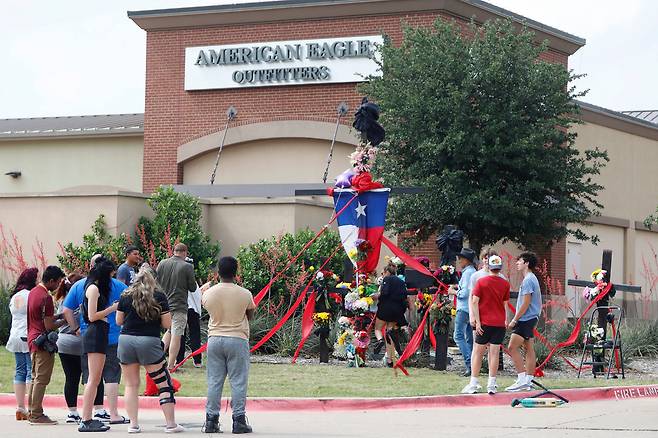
(74, 57)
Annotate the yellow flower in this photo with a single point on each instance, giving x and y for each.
(352, 253)
(453, 312)
(369, 300)
(361, 290)
(311, 268)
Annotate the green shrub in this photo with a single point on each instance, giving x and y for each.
(75, 258)
(640, 339)
(260, 261)
(5, 314)
(176, 218)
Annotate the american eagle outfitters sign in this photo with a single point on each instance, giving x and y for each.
(321, 61)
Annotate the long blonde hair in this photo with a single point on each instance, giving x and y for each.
(142, 293)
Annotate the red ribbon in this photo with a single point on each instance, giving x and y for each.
(307, 324)
(258, 298)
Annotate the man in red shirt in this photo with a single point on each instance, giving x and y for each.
(489, 303)
(40, 321)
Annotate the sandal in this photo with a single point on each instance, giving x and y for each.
(134, 429)
(123, 420)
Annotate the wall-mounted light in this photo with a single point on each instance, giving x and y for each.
(14, 173)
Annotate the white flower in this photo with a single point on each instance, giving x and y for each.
(319, 275)
(451, 269)
(351, 297)
(396, 260)
(601, 275)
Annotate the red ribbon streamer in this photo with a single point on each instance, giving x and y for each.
(295, 305)
(258, 298)
(307, 324)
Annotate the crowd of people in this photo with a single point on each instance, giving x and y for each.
(107, 325)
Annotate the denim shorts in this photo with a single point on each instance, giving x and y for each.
(23, 368)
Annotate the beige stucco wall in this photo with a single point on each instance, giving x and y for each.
(64, 217)
(53, 164)
(631, 177)
(280, 160)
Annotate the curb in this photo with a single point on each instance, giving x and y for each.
(276, 404)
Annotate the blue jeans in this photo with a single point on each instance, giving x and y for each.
(464, 336)
(23, 368)
(227, 356)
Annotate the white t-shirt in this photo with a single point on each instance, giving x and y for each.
(18, 309)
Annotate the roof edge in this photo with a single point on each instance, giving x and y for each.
(613, 119)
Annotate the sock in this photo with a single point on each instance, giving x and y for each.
(474, 380)
(521, 377)
(492, 381)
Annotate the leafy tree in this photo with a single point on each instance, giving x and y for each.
(176, 218)
(75, 258)
(482, 124)
(651, 219)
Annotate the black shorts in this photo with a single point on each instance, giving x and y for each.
(111, 368)
(94, 340)
(492, 335)
(525, 328)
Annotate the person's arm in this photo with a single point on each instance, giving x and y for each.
(93, 314)
(191, 281)
(49, 320)
(165, 320)
(119, 318)
(505, 304)
(476, 315)
(70, 318)
(520, 309)
(251, 307)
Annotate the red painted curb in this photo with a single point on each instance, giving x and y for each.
(344, 404)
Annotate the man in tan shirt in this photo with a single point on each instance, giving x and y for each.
(230, 308)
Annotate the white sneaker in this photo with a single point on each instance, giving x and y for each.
(492, 389)
(518, 386)
(471, 388)
(134, 429)
(176, 429)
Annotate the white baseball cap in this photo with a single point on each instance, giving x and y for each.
(495, 262)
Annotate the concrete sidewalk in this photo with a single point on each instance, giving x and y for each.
(625, 418)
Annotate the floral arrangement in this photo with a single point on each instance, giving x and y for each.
(324, 279)
(363, 158)
(442, 312)
(423, 301)
(598, 278)
(447, 274)
(322, 319)
(359, 300)
(361, 250)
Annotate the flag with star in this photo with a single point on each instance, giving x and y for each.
(364, 218)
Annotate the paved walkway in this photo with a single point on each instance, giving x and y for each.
(624, 418)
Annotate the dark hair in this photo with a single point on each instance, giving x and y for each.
(129, 249)
(391, 269)
(101, 276)
(52, 273)
(227, 267)
(530, 258)
(27, 280)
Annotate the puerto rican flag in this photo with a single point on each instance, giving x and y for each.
(364, 218)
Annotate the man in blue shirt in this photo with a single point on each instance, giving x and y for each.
(463, 331)
(112, 367)
(528, 309)
(126, 271)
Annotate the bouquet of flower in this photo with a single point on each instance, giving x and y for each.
(360, 251)
(447, 275)
(344, 339)
(322, 319)
(363, 158)
(441, 313)
(598, 278)
(325, 280)
(423, 301)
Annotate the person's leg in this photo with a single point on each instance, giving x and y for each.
(178, 324)
(99, 400)
(95, 367)
(461, 326)
(194, 329)
(161, 377)
(468, 338)
(515, 342)
(181, 350)
(237, 364)
(216, 375)
(476, 360)
(31, 387)
(493, 360)
(42, 370)
(166, 338)
(379, 325)
(20, 380)
(131, 391)
(112, 378)
(72, 372)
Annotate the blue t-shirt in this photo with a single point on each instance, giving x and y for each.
(530, 285)
(76, 296)
(126, 274)
(464, 288)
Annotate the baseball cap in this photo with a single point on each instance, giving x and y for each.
(495, 262)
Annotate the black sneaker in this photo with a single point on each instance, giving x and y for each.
(240, 425)
(72, 418)
(211, 425)
(93, 426)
